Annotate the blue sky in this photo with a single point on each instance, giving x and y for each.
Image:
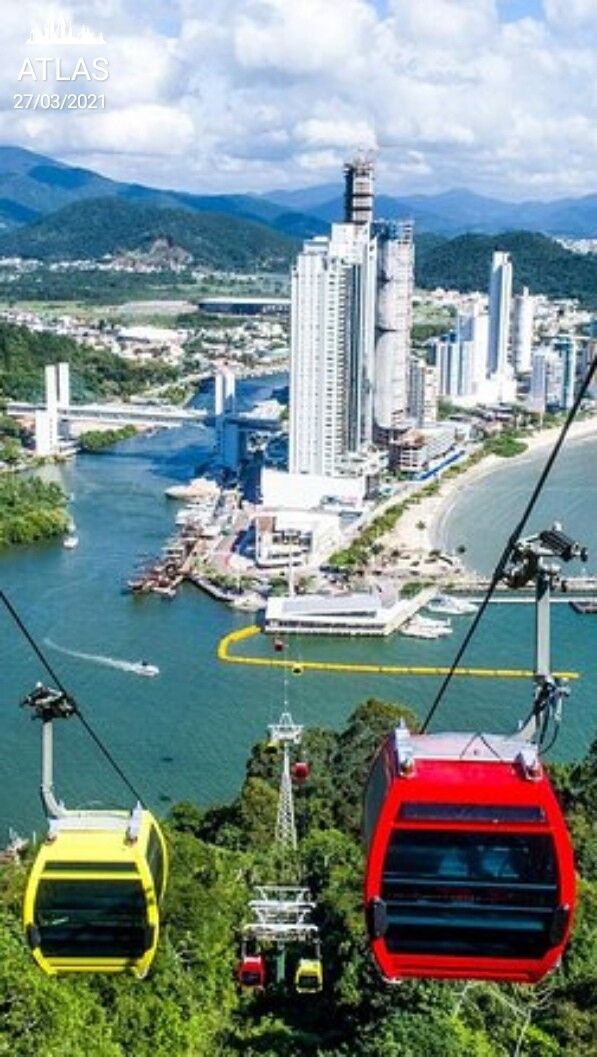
(227, 95)
(510, 10)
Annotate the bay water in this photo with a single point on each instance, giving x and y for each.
(186, 734)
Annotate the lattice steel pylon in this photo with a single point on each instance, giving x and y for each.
(286, 733)
(281, 913)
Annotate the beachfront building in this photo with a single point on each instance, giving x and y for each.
(565, 347)
(395, 285)
(522, 331)
(553, 377)
(332, 348)
(587, 354)
(423, 392)
(426, 450)
(500, 297)
(461, 358)
(547, 378)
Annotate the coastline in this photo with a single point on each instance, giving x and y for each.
(434, 510)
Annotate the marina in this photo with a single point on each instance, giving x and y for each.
(200, 707)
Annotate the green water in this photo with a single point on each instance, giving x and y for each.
(186, 733)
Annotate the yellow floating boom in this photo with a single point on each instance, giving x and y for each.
(362, 669)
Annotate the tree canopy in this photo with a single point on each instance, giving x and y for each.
(190, 1004)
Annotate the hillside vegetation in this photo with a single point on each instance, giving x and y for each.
(23, 355)
(100, 226)
(190, 1005)
(30, 510)
(32, 185)
(538, 262)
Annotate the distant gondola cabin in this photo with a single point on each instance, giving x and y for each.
(252, 971)
(470, 868)
(92, 901)
(308, 978)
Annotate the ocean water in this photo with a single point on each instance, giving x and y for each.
(187, 733)
(486, 510)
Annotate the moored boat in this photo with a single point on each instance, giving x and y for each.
(450, 605)
(584, 605)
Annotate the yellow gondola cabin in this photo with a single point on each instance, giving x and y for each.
(308, 978)
(93, 895)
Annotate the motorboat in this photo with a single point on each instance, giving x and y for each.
(143, 668)
(70, 541)
(419, 631)
(424, 628)
(449, 605)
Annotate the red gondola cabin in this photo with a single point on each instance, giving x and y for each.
(251, 971)
(301, 771)
(470, 869)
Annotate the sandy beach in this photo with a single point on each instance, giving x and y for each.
(433, 510)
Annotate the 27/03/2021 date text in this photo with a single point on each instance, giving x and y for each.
(54, 101)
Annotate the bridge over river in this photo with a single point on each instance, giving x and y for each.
(145, 414)
(135, 414)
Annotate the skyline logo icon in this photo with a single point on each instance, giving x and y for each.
(61, 30)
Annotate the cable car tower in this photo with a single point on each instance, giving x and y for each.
(285, 733)
(282, 912)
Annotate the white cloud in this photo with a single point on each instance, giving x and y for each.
(261, 93)
(301, 38)
(568, 14)
(335, 133)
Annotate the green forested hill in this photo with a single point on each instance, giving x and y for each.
(538, 262)
(190, 1006)
(23, 355)
(33, 185)
(99, 226)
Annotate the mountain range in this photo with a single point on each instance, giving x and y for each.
(56, 212)
(456, 212)
(32, 185)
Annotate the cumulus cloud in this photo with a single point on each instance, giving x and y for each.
(252, 94)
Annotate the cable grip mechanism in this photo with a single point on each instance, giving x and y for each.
(537, 559)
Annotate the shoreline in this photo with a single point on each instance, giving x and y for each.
(434, 510)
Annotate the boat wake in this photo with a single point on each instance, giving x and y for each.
(136, 667)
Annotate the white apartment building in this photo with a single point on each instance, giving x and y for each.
(547, 378)
(500, 298)
(395, 287)
(522, 331)
(423, 392)
(565, 346)
(461, 357)
(332, 349)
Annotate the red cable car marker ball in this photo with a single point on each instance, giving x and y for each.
(470, 871)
